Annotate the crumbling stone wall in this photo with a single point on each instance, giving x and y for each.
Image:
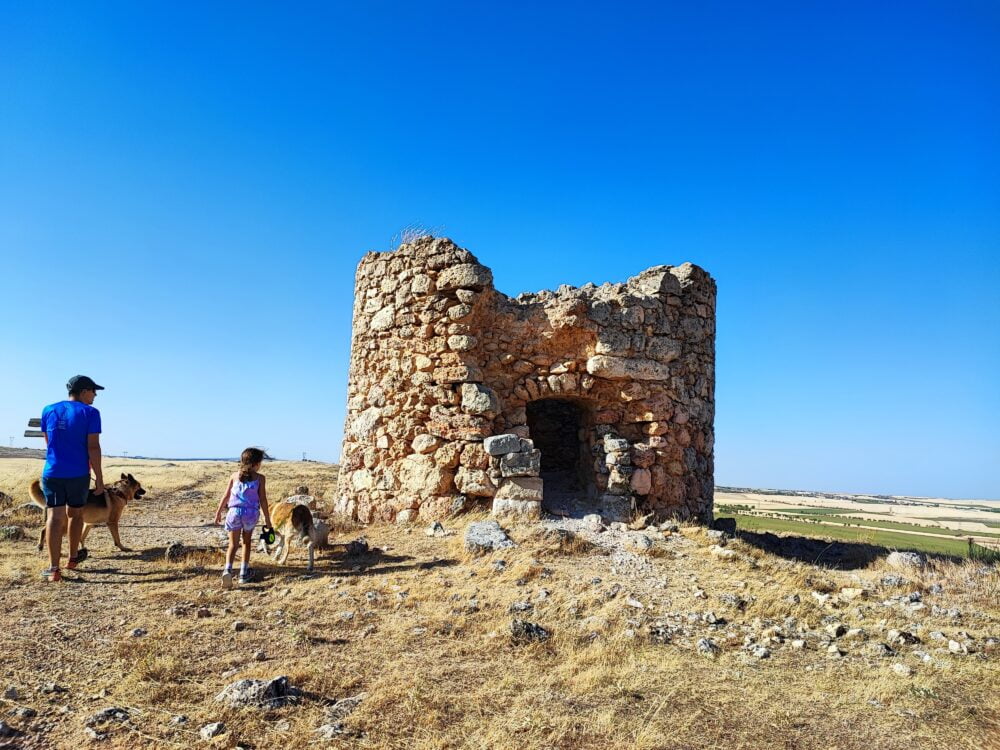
(448, 377)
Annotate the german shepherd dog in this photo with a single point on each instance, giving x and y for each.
(294, 521)
(99, 510)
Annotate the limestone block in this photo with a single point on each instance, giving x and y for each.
(474, 482)
(521, 464)
(618, 368)
(641, 481)
(462, 343)
(520, 488)
(478, 399)
(420, 475)
(616, 508)
(362, 480)
(422, 284)
(465, 276)
(447, 455)
(643, 455)
(614, 341)
(425, 443)
(474, 456)
(457, 374)
(663, 349)
(528, 510)
(656, 281)
(363, 424)
(499, 445)
(383, 319)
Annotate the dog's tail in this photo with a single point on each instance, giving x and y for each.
(35, 490)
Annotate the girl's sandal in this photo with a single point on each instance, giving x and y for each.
(52, 575)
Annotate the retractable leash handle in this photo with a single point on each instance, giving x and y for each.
(267, 535)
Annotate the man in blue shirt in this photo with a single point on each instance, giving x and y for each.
(73, 447)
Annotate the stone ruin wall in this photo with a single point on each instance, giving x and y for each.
(447, 373)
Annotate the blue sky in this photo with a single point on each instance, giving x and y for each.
(185, 190)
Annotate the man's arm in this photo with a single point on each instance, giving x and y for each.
(94, 452)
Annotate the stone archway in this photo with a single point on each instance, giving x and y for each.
(561, 429)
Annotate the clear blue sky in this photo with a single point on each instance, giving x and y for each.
(185, 189)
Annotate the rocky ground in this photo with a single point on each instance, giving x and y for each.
(571, 635)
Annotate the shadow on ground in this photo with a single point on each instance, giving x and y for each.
(839, 555)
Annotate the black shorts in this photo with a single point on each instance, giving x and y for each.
(60, 491)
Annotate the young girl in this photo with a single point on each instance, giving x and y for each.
(246, 497)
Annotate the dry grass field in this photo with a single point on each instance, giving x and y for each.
(419, 631)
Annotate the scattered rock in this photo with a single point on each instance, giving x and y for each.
(203, 612)
(106, 715)
(722, 553)
(138, 632)
(51, 687)
(260, 656)
(707, 647)
(24, 712)
(179, 719)
(214, 729)
(760, 652)
(906, 560)
(593, 522)
(272, 693)
(482, 537)
(523, 631)
(902, 670)
(11, 694)
(11, 533)
(639, 542)
(7, 731)
(94, 734)
(239, 626)
(893, 580)
(835, 630)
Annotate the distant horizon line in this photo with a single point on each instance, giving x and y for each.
(719, 487)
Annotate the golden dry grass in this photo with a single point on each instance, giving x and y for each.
(427, 641)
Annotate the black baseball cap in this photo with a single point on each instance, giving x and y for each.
(82, 383)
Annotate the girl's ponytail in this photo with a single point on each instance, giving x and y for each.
(248, 459)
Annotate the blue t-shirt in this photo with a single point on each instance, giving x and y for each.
(67, 425)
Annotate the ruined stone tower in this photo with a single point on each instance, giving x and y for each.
(597, 399)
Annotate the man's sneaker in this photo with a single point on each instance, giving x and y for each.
(52, 575)
(246, 576)
(227, 579)
(81, 555)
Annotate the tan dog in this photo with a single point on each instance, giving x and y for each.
(99, 510)
(294, 521)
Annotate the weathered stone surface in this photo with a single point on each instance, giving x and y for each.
(620, 368)
(521, 464)
(478, 399)
(475, 482)
(499, 445)
(527, 510)
(465, 276)
(520, 488)
(272, 693)
(440, 360)
(486, 536)
(906, 560)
